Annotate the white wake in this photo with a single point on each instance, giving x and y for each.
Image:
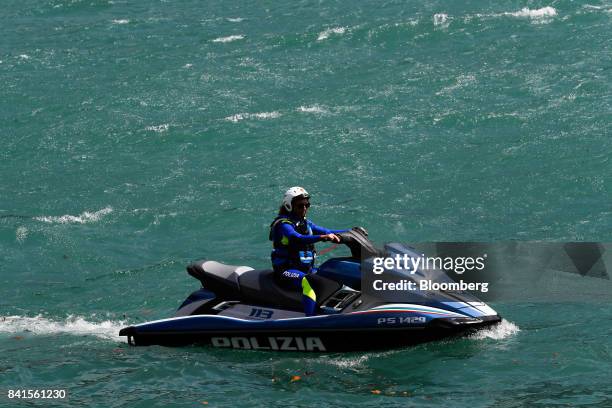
(499, 331)
(74, 325)
(84, 218)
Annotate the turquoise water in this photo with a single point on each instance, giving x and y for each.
(138, 136)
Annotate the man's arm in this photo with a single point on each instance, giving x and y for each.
(288, 231)
(318, 230)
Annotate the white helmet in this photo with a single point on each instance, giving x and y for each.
(292, 193)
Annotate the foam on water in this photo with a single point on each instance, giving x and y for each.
(525, 12)
(441, 20)
(543, 14)
(75, 325)
(324, 35)
(461, 82)
(594, 9)
(499, 331)
(159, 128)
(84, 218)
(262, 115)
(355, 361)
(21, 234)
(228, 39)
(347, 362)
(121, 21)
(312, 109)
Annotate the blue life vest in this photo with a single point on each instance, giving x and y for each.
(291, 255)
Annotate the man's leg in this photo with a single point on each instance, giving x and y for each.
(298, 280)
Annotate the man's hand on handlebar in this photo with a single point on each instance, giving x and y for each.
(330, 237)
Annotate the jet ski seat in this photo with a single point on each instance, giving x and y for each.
(262, 285)
(216, 276)
(245, 283)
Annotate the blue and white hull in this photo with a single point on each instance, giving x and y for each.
(381, 327)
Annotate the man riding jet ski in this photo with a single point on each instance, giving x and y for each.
(239, 307)
(293, 238)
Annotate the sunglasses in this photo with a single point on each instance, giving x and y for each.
(302, 205)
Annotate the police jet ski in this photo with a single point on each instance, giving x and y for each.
(243, 308)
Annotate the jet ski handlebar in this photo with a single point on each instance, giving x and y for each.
(357, 240)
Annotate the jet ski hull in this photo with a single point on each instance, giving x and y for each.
(334, 333)
(242, 308)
